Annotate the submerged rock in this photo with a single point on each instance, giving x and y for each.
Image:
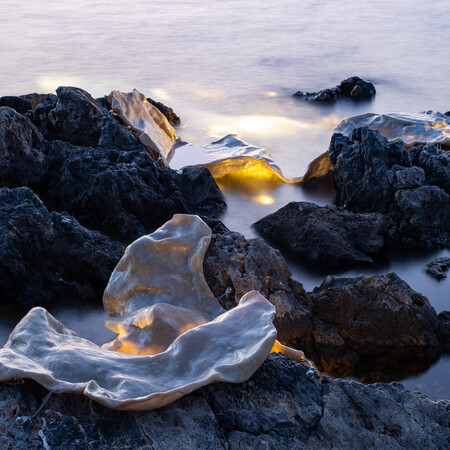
(325, 234)
(79, 159)
(279, 406)
(438, 268)
(49, 258)
(354, 88)
(355, 326)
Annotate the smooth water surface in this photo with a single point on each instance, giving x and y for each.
(232, 66)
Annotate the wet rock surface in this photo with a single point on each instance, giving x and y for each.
(79, 159)
(438, 268)
(346, 325)
(325, 235)
(354, 88)
(23, 103)
(370, 325)
(48, 258)
(371, 175)
(279, 407)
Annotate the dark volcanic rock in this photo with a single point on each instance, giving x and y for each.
(438, 268)
(325, 234)
(23, 103)
(354, 87)
(240, 265)
(444, 330)
(357, 89)
(83, 161)
(49, 258)
(377, 322)
(371, 175)
(279, 407)
(168, 112)
(435, 163)
(324, 97)
(21, 162)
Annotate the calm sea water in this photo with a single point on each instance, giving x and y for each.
(231, 67)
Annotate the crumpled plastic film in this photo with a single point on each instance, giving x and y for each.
(146, 122)
(231, 156)
(177, 336)
(429, 127)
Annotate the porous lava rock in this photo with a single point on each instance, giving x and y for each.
(438, 268)
(327, 235)
(23, 103)
(354, 88)
(48, 258)
(435, 163)
(372, 175)
(234, 266)
(278, 407)
(376, 322)
(79, 159)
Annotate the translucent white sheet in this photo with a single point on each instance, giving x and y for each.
(159, 302)
(429, 127)
(231, 156)
(146, 122)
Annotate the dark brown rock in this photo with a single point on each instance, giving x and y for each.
(370, 325)
(438, 268)
(240, 265)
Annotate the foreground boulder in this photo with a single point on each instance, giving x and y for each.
(354, 88)
(49, 258)
(234, 266)
(372, 326)
(371, 175)
(278, 407)
(79, 159)
(325, 234)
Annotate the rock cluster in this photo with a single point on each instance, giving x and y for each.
(384, 195)
(79, 162)
(279, 407)
(354, 88)
(338, 323)
(371, 175)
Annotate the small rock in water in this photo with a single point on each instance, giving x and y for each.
(354, 88)
(438, 268)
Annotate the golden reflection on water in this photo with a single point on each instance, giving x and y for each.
(268, 126)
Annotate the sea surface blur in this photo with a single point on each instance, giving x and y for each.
(232, 66)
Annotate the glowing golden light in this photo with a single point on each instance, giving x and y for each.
(272, 94)
(265, 200)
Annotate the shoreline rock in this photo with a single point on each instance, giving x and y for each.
(326, 235)
(79, 159)
(49, 258)
(279, 406)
